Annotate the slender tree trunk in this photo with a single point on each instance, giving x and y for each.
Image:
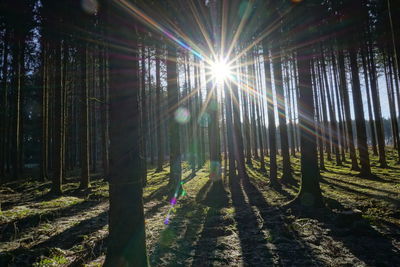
(229, 131)
(273, 169)
(84, 120)
(259, 128)
(370, 117)
(377, 110)
(278, 79)
(160, 148)
(320, 137)
(58, 127)
(173, 127)
(392, 107)
(346, 102)
(359, 115)
(214, 135)
(4, 105)
(332, 116)
(144, 120)
(103, 86)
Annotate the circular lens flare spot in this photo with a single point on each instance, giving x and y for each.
(182, 115)
(90, 6)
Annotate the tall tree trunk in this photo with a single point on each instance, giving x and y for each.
(359, 115)
(278, 79)
(320, 138)
(346, 102)
(332, 115)
(173, 127)
(144, 119)
(377, 109)
(370, 117)
(310, 192)
(273, 168)
(4, 105)
(126, 241)
(84, 120)
(214, 134)
(103, 86)
(58, 127)
(160, 148)
(229, 131)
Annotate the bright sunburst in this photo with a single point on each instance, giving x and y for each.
(220, 70)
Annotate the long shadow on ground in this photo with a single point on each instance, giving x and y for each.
(290, 250)
(177, 240)
(208, 251)
(362, 240)
(8, 231)
(359, 185)
(64, 240)
(252, 238)
(357, 192)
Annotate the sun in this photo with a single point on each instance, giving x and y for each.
(220, 70)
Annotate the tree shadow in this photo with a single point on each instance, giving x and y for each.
(26, 194)
(360, 185)
(154, 209)
(207, 251)
(290, 249)
(203, 191)
(359, 237)
(159, 193)
(157, 181)
(91, 252)
(76, 233)
(216, 196)
(252, 239)
(176, 241)
(372, 177)
(29, 193)
(64, 240)
(27, 223)
(284, 193)
(356, 192)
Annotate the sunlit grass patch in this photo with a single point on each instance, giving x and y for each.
(60, 202)
(16, 213)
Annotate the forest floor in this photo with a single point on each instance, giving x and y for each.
(359, 227)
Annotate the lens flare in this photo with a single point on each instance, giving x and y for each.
(182, 115)
(90, 6)
(220, 70)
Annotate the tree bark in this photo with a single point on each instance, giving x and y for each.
(126, 241)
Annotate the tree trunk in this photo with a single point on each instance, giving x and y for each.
(173, 127)
(273, 168)
(4, 105)
(280, 94)
(84, 120)
(359, 115)
(126, 241)
(346, 102)
(160, 143)
(377, 110)
(310, 191)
